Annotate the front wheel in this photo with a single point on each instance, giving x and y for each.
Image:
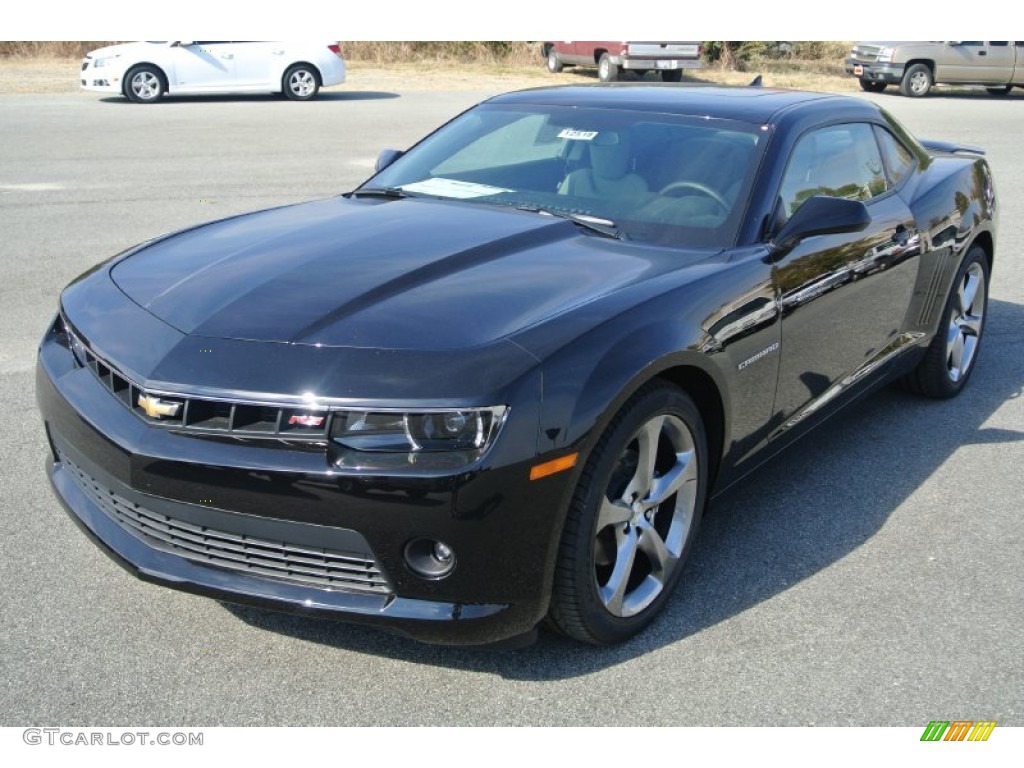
(607, 70)
(301, 83)
(872, 86)
(632, 518)
(554, 63)
(144, 84)
(951, 356)
(917, 81)
(1000, 91)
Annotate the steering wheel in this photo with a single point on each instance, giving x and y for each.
(702, 188)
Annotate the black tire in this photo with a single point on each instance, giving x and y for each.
(618, 562)
(672, 75)
(917, 81)
(872, 86)
(301, 82)
(1000, 91)
(144, 84)
(607, 70)
(554, 63)
(944, 371)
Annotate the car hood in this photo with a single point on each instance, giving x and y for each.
(402, 274)
(125, 49)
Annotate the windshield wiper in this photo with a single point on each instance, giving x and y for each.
(605, 227)
(393, 193)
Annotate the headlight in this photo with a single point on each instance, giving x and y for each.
(97, 63)
(885, 55)
(429, 439)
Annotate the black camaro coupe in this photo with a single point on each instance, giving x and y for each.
(499, 381)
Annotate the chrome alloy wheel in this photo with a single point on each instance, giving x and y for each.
(920, 83)
(965, 323)
(645, 515)
(145, 85)
(302, 83)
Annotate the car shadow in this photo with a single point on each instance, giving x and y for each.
(940, 92)
(237, 98)
(798, 514)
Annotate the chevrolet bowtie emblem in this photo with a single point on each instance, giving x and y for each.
(156, 408)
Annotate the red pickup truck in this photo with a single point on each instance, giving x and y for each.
(670, 59)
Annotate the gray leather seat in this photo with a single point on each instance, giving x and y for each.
(609, 174)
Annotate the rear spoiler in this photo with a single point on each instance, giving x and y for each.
(945, 146)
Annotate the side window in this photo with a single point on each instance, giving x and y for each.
(838, 161)
(898, 159)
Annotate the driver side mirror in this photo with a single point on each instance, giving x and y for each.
(181, 43)
(821, 215)
(386, 158)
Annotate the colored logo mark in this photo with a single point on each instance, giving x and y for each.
(958, 730)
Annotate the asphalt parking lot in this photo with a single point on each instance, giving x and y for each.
(871, 576)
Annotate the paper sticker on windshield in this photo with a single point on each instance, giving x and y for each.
(573, 135)
(453, 188)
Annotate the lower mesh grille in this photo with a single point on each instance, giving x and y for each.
(246, 554)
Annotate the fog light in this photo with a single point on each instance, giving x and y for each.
(429, 559)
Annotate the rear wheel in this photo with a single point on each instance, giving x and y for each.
(672, 75)
(607, 70)
(1001, 91)
(954, 350)
(301, 82)
(632, 518)
(872, 86)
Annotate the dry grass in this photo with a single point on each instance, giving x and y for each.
(54, 49)
(489, 53)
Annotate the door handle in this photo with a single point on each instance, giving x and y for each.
(278, 53)
(227, 55)
(983, 53)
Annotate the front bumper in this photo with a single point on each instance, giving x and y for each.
(502, 527)
(106, 79)
(874, 72)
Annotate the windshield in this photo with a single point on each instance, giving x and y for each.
(658, 178)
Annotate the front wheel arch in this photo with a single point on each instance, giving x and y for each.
(705, 394)
(686, 374)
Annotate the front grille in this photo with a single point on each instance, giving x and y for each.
(866, 52)
(308, 566)
(203, 415)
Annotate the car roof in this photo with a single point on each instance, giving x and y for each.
(747, 103)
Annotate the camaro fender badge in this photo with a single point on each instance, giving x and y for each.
(156, 408)
(754, 358)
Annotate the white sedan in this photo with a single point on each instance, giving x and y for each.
(143, 72)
